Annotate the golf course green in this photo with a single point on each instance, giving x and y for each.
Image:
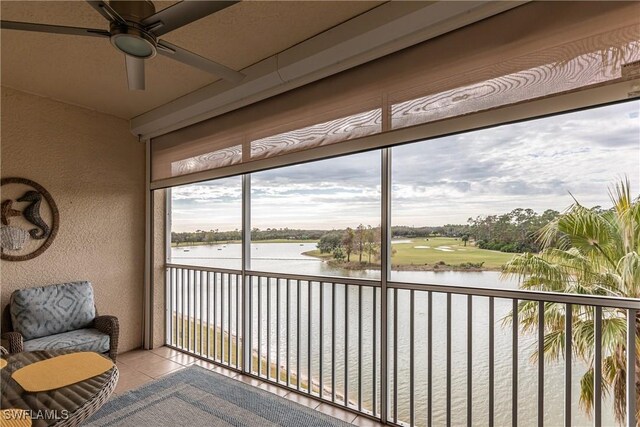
(449, 250)
(434, 253)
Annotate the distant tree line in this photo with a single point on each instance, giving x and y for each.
(515, 231)
(449, 230)
(217, 236)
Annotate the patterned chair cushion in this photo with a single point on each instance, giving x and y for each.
(49, 310)
(81, 340)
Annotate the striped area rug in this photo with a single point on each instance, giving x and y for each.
(197, 397)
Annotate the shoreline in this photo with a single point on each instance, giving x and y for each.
(230, 242)
(439, 266)
(407, 267)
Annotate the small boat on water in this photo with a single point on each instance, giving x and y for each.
(185, 250)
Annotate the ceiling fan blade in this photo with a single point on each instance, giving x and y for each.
(135, 72)
(182, 55)
(181, 14)
(56, 29)
(107, 11)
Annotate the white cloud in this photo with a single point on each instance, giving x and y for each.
(532, 164)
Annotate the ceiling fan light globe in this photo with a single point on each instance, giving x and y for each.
(134, 46)
(133, 41)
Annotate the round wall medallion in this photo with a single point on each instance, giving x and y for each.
(30, 219)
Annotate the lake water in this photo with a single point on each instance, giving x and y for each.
(288, 258)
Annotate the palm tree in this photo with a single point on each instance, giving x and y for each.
(586, 251)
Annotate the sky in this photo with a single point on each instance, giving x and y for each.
(537, 164)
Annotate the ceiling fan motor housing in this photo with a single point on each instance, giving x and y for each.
(133, 39)
(135, 28)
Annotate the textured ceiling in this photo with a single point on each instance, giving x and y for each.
(88, 71)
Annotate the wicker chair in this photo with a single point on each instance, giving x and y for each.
(58, 317)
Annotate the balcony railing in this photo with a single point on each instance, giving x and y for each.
(454, 355)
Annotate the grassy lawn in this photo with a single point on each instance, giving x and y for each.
(421, 251)
(316, 253)
(425, 251)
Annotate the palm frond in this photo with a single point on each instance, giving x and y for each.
(614, 378)
(629, 274)
(585, 251)
(553, 346)
(586, 391)
(614, 332)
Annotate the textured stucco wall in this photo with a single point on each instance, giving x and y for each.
(94, 169)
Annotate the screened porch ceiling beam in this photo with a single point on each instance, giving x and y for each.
(388, 28)
(598, 95)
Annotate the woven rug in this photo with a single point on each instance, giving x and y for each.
(197, 397)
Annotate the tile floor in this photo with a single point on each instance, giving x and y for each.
(141, 366)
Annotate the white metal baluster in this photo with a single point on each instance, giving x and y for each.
(412, 308)
(448, 359)
(631, 368)
(597, 367)
(469, 360)
(269, 329)
(429, 358)
(395, 355)
(309, 335)
(540, 363)
(333, 342)
(568, 379)
(259, 326)
(491, 361)
(360, 348)
(321, 335)
(514, 364)
(346, 345)
(278, 330)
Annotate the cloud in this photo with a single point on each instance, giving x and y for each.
(532, 164)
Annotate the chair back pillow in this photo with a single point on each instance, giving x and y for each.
(53, 309)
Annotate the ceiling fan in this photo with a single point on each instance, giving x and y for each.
(134, 28)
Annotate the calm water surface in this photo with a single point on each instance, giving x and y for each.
(288, 258)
